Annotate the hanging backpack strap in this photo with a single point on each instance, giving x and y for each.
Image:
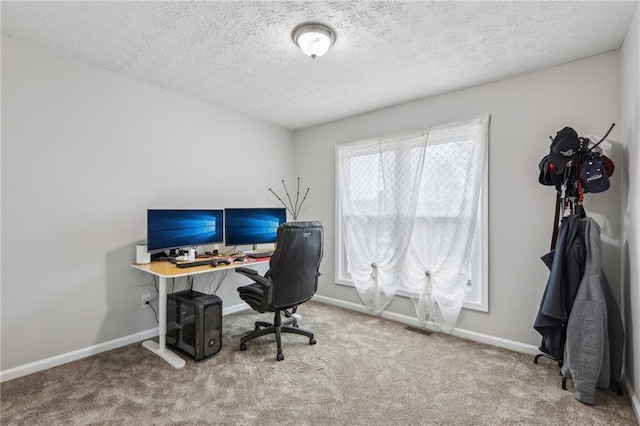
(556, 221)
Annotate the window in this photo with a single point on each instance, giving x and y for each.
(441, 203)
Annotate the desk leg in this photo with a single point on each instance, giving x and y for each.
(160, 348)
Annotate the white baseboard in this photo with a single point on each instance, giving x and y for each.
(45, 364)
(635, 404)
(415, 322)
(242, 306)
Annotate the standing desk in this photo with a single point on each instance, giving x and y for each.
(164, 270)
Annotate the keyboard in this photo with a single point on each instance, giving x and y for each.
(194, 263)
(260, 254)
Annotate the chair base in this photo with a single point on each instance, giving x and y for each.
(278, 327)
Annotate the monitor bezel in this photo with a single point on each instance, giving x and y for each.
(281, 210)
(219, 240)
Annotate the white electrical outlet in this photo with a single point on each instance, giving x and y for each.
(146, 298)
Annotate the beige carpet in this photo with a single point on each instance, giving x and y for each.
(364, 371)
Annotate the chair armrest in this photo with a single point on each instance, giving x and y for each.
(247, 271)
(255, 276)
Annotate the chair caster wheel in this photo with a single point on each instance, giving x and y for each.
(280, 356)
(312, 341)
(243, 346)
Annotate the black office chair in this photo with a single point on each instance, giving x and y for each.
(291, 280)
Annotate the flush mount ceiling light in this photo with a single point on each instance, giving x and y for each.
(313, 39)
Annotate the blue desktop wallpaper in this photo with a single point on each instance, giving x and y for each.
(183, 228)
(253, 225)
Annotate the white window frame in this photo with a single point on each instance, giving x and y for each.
(477, 296)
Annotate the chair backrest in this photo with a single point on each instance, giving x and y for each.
(295, 264)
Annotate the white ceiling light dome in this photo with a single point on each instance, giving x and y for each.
(314, 39)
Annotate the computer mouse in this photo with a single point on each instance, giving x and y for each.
(214, 263)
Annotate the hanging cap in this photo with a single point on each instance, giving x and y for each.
(593, 174)
(608, 164)
(565, 148)
(546, 170)
(549, 175)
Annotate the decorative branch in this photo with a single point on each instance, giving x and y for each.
(293, 208)
(297, 193)
(303, 198)
(289, 198)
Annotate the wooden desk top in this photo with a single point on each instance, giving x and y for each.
(169, 270)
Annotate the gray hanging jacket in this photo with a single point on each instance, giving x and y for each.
(595, 338)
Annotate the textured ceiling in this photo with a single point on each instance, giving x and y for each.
(239, 55)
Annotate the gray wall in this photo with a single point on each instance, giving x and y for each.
(84, 153)
(525, 111)
(630, 132)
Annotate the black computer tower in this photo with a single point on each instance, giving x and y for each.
(194, 323)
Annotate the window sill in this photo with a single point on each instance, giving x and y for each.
(474, 306)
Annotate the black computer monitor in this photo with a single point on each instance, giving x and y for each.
(252, 225)
(168, 229)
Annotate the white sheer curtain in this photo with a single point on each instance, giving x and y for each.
(378, 182)
(437, 262)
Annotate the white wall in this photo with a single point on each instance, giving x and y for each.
(630, 136)
(525, 111)
(84, 153)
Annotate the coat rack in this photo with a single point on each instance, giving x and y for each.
(569, 198)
